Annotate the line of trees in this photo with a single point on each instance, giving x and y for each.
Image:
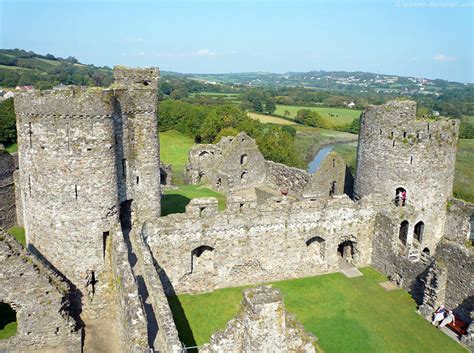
(207, 124)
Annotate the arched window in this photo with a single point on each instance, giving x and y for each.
(400, 196)
(426, 251)
(243, 159)
(418, 231)
(403, 232)
(243, 176)
(8, 323)
(202, 259)
(317, 246)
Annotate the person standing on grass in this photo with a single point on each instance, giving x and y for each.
(438, 315)
(448, 319)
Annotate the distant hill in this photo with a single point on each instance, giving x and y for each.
(19, 68)
(341, 81)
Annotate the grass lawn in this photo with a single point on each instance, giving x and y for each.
(464, 172)
(174, 148)
(8, 324)
(18, 233)
(340, 116)
(175, 200)
(269, 119)
(347, 315)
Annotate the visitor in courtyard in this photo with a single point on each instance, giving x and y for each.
(404, 197)
(438, 315)
(448, 319)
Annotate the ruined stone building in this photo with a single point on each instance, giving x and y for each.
(103, 260)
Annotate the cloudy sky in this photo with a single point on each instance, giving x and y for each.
(432, 39)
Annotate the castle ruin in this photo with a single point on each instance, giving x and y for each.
(88, 194)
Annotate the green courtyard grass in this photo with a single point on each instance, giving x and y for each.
(464, 171)
(347, 315)
(175, 200)
(174, 148)
(8, 324)
(334, 116)
(18, 233)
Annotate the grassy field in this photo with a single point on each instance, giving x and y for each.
(175, 200)
(174, 148)
(18, 233)
(464, 173)
(269, 119)
(347, 315)
(8, 324)
(335, 116)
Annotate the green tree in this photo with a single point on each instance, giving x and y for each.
(270, 106)
(7, 122)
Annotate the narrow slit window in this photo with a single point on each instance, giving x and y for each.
(393, 143)
(404, 134)
(138, 180)
(411, 159)
(30, 133)
(124, 168)
(75, 190)
(105, 236)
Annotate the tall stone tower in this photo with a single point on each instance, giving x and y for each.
(398, 151)
(82, 153)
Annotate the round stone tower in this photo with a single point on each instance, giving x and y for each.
(68, 176)
(86, 157)
(399, 152)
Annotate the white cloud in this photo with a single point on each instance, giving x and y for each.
(444, 58)
(205, 52)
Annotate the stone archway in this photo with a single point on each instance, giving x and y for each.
(347, 251)
(8, 321)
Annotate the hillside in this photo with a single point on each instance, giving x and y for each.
(19, 68)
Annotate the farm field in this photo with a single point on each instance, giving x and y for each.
(347, 315)
(335, 116)
(269, 119)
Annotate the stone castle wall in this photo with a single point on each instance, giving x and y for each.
(262, 325)
(7, 190)
(286, 178)
(41, 301)
(395, 150)
(204, 249)
(234, 163)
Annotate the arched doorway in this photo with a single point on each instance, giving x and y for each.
(403, 232)
(400, 196)
(243, 159)
(8, 323)
(346, 250)
(418, 231)
(317, 247)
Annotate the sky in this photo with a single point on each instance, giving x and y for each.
(432, 39)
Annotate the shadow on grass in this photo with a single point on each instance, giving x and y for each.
(173, 203)
(184, 329)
